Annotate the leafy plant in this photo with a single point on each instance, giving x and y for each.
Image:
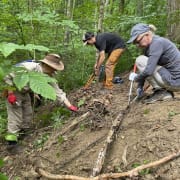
(40, 142)
(2, 176)
(7, 48)
(146, 111)
(144, 171)
(81, 102)
(82, 127)
(37, 82)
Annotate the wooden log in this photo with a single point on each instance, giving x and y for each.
(109, 176)
(110, 137)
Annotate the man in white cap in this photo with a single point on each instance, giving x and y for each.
(160, 64)
(19, 106)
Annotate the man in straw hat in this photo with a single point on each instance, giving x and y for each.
(19, 106)
(160, 64)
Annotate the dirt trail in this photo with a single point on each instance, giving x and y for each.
(147, 133)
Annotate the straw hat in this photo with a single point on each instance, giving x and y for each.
(53, 60)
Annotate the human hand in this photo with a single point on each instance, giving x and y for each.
(73, 108)
(140, 92)
(132, 76)
(11, 98)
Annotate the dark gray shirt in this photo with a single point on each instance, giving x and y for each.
(162, 52)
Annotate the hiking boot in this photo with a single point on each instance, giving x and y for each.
(13, 147)
(159, 95)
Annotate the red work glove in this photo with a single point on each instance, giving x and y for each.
(73, 108)
(11, 98)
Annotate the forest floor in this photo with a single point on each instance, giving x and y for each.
(147, 133)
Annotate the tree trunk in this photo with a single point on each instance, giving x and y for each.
(139, 8)
(173, 8)
(68, 13)
(121, 6)
(101, 16)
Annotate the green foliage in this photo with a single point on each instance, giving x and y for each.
(40, 141)
(2, 176)
(144, 171)
(60, 139)
(82, 127)
(146, 111)
(3, 118)
(47, 23)
(8, 48)
(58, 116)
(38, 82)
(81, 102)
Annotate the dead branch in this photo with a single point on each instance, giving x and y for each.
(73, 124)
(110, 137)
(108, 176)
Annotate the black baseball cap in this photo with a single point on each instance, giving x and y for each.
(87, 36)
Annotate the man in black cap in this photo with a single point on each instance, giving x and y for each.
(160, 64)
(108, 43)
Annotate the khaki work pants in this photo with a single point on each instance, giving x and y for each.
(19, 114)
(110, 66)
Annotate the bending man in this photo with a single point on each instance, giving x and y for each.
(108, 43)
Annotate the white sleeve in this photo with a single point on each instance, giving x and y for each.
(60, 94)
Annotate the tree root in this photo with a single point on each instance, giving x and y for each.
(108, 176)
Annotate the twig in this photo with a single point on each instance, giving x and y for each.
(108, 176)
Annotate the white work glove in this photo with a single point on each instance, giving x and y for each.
(132, 76)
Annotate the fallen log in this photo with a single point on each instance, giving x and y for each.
(108, 176)
(73, 124)
(110, 137)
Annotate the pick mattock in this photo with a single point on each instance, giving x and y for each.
(93, 75)
(89, 81)
(131, 86)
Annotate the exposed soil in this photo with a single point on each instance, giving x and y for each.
(146, 134)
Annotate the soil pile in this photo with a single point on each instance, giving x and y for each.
(146, 133)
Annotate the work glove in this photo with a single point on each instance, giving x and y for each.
(11, 98)
(140, 92)
(132, 76)
(73, 108)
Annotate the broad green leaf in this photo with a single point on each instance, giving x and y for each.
(41, 77)
(31, 47)
(7, 48)
(21, 80)
(42, 88)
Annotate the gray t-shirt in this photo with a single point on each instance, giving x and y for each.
(162, 52)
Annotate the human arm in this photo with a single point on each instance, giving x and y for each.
(61, 97)
(99, 62)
